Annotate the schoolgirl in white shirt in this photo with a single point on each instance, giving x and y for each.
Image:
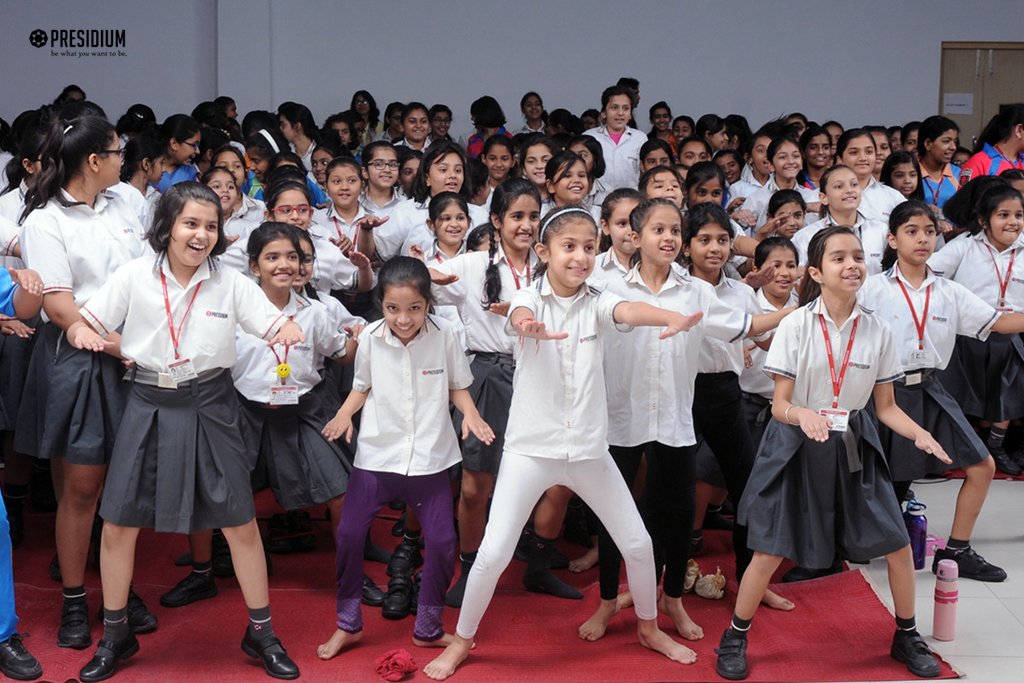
(408, 366)
(480, 285)
(564, 441)
(143, 166)
(499, 156)
(841, 199)
(620, 143)
(241, 214)
(987, 377)
(178, 462)
(615, 259)
(380, 172)
(650, 386)
(784, 156)
(75, 236)
(568, 182)
(926, 313)
(300, 130)
(532, 108)
(820, 471)
(589, 148)
(532, 162)
(442, 169)
(856, 149)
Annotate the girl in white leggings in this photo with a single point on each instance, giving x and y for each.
(564, 441)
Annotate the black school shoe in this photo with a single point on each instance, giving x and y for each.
(192, 588)
(971, 565)
(103, 664)
(373, 596)
(74, 625)
(272, 656)
(732, 656)
(398, 601)
(1004, 463)
(17, 662)
(909, 648)
(406, 558)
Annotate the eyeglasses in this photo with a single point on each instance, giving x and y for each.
(380, 164)
(107, 152)
(194, 145)
(288, 209)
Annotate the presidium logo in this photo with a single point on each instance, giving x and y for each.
(72, 42)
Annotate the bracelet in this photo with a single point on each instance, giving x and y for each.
(786, 414)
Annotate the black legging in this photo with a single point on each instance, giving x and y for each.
(669, 503)
(718, 417)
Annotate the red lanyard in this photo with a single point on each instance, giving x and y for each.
(437, 255)
(515, 275)
(176, 335)
(918, 324)
(837, 384)
(278, 358)
(337, 227)
(937, 191)
(1003, 282)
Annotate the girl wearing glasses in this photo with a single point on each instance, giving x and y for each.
(180, 135)
(380, 170)
(75, 235)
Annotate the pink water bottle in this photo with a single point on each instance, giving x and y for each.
(946, 595)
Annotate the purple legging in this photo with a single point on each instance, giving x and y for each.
(430, 496)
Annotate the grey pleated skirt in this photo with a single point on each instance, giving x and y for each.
(180, 463)
(987, 377)
(294, 460)
(930, 405)
(15, 353)
(492, 394)
(803, 503)
(72, 403)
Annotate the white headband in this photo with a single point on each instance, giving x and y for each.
(270, 138)
(558, 214)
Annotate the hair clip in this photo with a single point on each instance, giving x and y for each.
(70, 126)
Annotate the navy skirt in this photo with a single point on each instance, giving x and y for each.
(986, 378)
(802, 501)
(15, 353)
(72, 403)
(294, 460)
(180, 463)
(492, 394)
(930, 405)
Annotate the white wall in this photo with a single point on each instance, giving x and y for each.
(868, 61)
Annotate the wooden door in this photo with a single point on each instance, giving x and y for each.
(976, 78)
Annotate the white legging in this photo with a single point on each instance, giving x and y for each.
(521, 481)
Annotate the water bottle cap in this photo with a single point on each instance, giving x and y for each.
(948, 570)
(916, 507)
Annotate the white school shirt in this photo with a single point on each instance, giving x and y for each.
(877, 201)
(752, 379)
(133, 296)
(747, 184)
(249, 216)
(606, 269)
(596, 197)
(406, 427)
(340, 316)
(649, 381)
(873, 238)
(559, 408)
(798, 352)
(622, 160)
(135, 199)
(387, 210)
(12, 203)
(485, 331)
(968, 259)
(77, 248)
(952, 309)
(411, 221)
(333, 225)
(255, 369)
(757, 202)
(716, 354)
(307, 158)
(434, 257)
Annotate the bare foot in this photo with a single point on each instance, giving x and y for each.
(584, 562)
(444, 641)
(776, 601)
(623, 601)
(594, 627)
(686, 627)
(444, 665)
(653, 638)
(336, 642)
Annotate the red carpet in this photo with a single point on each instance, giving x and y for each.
(524, 637)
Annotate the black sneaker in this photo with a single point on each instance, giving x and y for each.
(192, 588)
(1004, 463)
(971, 564)
(140, 619)
(732, 656)
(74, 625)
(17, 662)
(909, 648)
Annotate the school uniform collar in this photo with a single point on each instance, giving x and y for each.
(296, 303)
(607, 261)
(499, 256)
(435, 250)
(983, 238)
(763, 300)
(204, 272)
(368, 204)
(102, 200)
(543, 286)
(894, 273)
(628, 133)
(724, 281)
(381, 330)
(994, 153)
(333, 215)
(830, 221)
(747, 175)
(248, 205)
(818, 308)
(947, 172)
(676, 278)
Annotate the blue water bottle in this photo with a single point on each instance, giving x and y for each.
(917, 528)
